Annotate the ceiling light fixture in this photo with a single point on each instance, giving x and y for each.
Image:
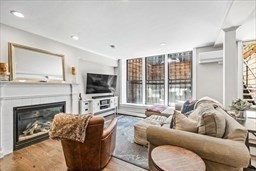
(162, 44)
(112, 46)
(74, 37)
(17, 14)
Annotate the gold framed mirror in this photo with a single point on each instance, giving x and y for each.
(35, 65)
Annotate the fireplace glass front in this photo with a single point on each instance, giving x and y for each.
(32, 123)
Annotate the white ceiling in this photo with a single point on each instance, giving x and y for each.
(136, 28)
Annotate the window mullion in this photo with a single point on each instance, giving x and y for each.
(166, 80)
(143, 81)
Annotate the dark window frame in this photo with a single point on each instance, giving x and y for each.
(154, 81)
(191, 77)
(138, 82)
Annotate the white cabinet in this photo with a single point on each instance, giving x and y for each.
(85, 106)
(99, 106)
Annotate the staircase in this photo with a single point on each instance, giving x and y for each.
(249, 72)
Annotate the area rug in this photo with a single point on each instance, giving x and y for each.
(126, 149)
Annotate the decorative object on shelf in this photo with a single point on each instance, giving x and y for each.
(4, 74)
(239, 106)
(80, 96)
(73, 72)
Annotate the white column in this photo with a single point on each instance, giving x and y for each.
(240, 70)
(230, 66)
(1, 112)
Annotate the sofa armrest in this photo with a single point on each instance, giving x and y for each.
(109, 129)
(224, 151)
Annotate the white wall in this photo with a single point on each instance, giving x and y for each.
(73, 56)
(85, 67)
(209, 77)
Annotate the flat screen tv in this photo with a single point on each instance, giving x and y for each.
(100, 83)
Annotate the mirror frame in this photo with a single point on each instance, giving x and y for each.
(12, 68)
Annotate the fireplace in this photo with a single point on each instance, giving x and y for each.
(32, 123)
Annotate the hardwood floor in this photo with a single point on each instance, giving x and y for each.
(48, 155)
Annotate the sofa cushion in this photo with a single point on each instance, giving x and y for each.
(208, 101)
(168, 120)
(156, 119)
(234, 130)
(140, 136)
(168, 111)
(212, 123)
(181, 122)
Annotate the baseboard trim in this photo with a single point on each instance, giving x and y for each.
(1, 154)
(132, 114)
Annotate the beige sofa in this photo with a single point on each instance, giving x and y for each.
(219, 154)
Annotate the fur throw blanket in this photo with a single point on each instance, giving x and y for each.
(69, 126)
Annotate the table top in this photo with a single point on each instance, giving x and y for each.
(249, 124)
(250, 121)
(173, 158)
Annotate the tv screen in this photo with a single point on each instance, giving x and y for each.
(100, 83)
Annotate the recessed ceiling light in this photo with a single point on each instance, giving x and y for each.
(163, 44)
(112, 46)
(17, 14)
(75, 37)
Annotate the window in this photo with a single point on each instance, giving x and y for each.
(155, 79)
(180, 77)
(164, 79)
(134, 81)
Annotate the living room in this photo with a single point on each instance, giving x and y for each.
(139, 65)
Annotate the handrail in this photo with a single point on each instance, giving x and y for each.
(250, 69)
(250, 93)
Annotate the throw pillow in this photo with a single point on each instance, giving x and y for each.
(188, 106)
(212, 123)
(156, 108)
(181, 122)
(199, 111)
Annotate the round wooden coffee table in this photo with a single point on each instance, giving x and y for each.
(173, 158)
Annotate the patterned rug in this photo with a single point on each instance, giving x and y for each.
(126, 149)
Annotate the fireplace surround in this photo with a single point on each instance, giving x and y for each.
(17, 94)
(32, 123)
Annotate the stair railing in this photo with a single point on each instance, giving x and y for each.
(246, 82)
(248, 69)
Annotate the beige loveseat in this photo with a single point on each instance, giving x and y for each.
(219, 154)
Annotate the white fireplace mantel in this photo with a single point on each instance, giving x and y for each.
(14, 94)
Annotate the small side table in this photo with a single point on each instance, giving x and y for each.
(173, 158)
(250, 124)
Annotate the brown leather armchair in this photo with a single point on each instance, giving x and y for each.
(96, 151)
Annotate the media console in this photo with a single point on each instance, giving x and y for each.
(102, 106)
